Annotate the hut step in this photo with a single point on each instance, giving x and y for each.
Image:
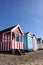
(19, 52)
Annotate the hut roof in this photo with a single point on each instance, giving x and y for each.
(39, 39)
(7, 29)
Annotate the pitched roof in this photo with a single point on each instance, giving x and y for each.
(38, 39)
(26, 32)
(33, 34)
(7, 29)
(42, 41)
(11, 29)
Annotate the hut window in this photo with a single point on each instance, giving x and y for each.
(5, 38)
(17, 38)
(9, 37)
(20, 38)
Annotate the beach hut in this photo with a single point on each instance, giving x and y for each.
(39, 43)
(28, 42)
(42, 45)
(34, 42)
(11, 39)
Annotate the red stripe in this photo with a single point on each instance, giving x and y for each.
(10, 45)
(21, 45)
(1, 46)
(5, 47)
(14, 44)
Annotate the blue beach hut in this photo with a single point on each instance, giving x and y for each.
(28, 42)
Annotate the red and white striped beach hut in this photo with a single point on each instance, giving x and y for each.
(11, 38)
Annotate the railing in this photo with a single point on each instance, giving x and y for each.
(7, 46)
(17, 45)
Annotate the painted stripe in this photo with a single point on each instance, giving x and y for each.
(15, 44)
(4, 46)
(8, 45)
(12, 44)
(22, 46)
(18, 45)
(1, 46)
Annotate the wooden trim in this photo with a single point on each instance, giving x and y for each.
(17, 27)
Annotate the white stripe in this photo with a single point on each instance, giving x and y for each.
(13, 44)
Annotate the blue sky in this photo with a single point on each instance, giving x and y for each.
(27, 13)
